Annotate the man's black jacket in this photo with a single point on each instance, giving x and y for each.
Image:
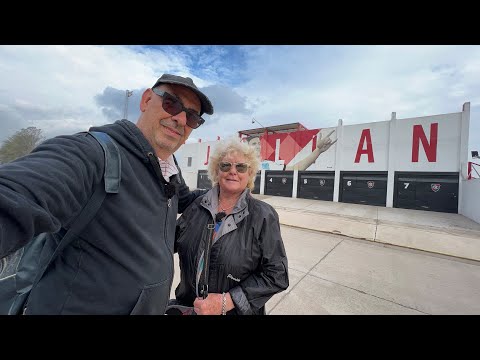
(122, 263)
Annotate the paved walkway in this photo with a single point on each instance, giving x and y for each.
(332, 274)
(335, 274)
(441, 233)
(385, 273)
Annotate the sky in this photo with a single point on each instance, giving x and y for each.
(66, 89)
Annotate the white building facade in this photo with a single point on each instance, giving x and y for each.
(415, 163)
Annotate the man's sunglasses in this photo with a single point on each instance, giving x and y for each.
(226, 166)
(173, 106)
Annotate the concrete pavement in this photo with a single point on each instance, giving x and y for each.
(394, 261)
(334, 274)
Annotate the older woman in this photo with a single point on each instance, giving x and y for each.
(232, 257)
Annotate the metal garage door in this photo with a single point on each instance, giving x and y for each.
(364, 188)
(279, 183)
(426, 191)
(316, 185)
(256, 190)
(202, 180)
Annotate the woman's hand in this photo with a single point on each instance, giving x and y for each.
(212, 305)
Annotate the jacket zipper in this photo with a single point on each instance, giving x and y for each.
(210, 228)
(156, 167)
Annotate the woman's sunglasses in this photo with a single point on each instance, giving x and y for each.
(173, 106)
(226, 166)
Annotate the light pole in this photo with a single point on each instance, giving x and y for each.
(265, 134)
(125, 108)
(255, 121)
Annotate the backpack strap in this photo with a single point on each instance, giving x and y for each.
(113, 164)
(109, 184)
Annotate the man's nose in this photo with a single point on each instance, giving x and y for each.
(180, 118)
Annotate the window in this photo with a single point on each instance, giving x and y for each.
(189, 161)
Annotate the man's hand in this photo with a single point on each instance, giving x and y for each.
(325, 143)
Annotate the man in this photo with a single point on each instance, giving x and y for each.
(122, 262)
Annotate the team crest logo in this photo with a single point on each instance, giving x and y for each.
(322, 182)
(284, 181)
(370, 184)
(435, 187)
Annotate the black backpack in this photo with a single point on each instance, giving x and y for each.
(21, 270)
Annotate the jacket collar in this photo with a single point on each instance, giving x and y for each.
(239, 211)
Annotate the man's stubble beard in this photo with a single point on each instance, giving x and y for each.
(164, 141)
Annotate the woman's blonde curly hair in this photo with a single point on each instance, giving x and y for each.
(230, 146)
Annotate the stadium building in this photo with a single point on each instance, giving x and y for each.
(413, 163)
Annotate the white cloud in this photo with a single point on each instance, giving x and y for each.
(54, 87)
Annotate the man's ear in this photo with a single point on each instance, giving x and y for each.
(146, 97)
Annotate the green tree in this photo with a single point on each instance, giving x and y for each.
(19, 144)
